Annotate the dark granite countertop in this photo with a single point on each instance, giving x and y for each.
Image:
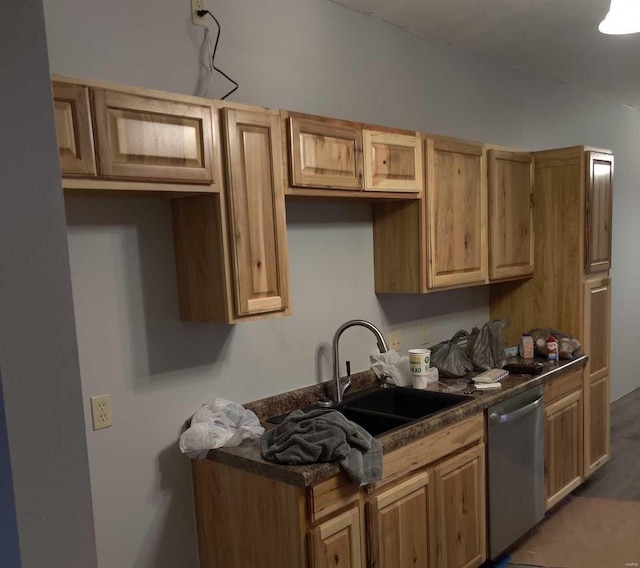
(248, 457)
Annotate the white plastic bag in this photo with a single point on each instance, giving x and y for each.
(392, 365)
(217, 424)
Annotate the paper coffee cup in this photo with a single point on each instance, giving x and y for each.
(419, 360)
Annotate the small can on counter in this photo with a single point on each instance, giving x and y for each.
(552, 349)
(526, 346)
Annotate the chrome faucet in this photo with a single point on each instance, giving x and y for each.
(338, 388)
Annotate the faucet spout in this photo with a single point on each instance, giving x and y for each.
(338, 388)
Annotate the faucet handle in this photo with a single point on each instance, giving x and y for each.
(348, 364)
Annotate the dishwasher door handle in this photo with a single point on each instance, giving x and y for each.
(502, 418)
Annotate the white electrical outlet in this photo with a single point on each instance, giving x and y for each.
(195, 6)
(394, 340)
(101, 411)
(425, 334)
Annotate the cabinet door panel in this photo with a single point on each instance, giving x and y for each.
(337, 543)
(256, 211)
(510, 214)
(598, 424)
(596, 344)
(460, 505)
(392, 162)
(73, 129)
(457, 213)
(563, 447)
(400, 522)
(152, 139)
(598, 212)
(325, 154)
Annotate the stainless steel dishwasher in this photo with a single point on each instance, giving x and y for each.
(515, 468)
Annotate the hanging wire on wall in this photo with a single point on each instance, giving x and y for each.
(207, 60)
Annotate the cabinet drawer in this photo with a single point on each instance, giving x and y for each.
(561, 386)
(330, 496)
(150, 139)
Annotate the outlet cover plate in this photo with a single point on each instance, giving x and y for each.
(394, 340)
(195, 6)
(101, 411)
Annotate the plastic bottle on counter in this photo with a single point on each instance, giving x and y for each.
(552, 349)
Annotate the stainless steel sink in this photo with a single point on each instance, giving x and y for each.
(381, 410)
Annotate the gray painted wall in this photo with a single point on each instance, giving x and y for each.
(308, 55)
(38, 352)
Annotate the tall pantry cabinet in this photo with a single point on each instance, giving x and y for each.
(571, 288)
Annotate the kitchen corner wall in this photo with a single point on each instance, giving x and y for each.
(306, 55)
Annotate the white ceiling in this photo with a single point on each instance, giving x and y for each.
(556, 38)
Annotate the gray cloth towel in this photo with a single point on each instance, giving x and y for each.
(325, 435)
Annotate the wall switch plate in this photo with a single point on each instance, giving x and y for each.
(394, 340)
(195, 6)
(425, 334)
(101, 411)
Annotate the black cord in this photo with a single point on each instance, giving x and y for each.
(201, 14)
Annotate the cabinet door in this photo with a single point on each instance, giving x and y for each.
(400, 524)
(510, 214)
(596, 340)
(392, 162)
(563, 447)
(598, 212)
(460, 510)
(456, 212)
(325, 153)
(73, 130)
(256, 211)
(147, 139)
(337, 543)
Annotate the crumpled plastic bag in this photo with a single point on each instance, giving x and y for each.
(568, 346)
(486, 346)
(393, 366)
(217, 424)
(450, 358)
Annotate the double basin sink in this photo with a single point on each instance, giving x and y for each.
(380, 410)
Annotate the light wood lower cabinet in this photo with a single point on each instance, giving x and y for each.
(337, 543)
(427, 511)
(597, 323)
(563, 444)
(461, 510)
(401, 525)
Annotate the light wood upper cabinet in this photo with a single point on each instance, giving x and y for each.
(74, 130)
(457, 212)
(148, 139)
(325, 153)
(256, 211)
(401, 525)
(461, 510)
(337, 543)
(563, 447)
(597, 323)
(511, 245)
(598, 211)
(392, 162)
(231, 247)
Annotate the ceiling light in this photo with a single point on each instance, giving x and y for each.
(623, 18)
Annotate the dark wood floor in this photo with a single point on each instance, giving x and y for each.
(620, 477)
